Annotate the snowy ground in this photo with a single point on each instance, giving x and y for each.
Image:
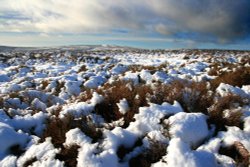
(111, 107)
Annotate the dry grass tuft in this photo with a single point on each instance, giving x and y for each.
(149, 156)
(238, 77)
(197, 97)
(122, 150)
(58, 88)
(167, 93)
(85, 95)
(1, 102)
(89, 128)
(56, 110)
(245, 60)
(152, 69)
(82, 69)
(194, 96)
(57, 128)
(30, 162)
(14, 95)
(237, 152)
(44, 84)
(216, 112)
(136, 96)
(235, 119)
(214, 69)
(68, 155)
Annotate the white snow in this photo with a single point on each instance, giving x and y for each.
(9, 137)
(148, 118)
(73, 88)
(179, 154)
(8, 161)
(162, 76)
(225, 89)
(123, 106)
(189, 127)
(94, 81)
(247, 124)
(38, 105)
(29, 123)
(4, 78)
(96, 99)
(77, 109)
(39, 84)
(118, 69)
(43, 152)
(235, 134)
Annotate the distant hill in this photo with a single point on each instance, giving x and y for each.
(97, 48)
(70, 47)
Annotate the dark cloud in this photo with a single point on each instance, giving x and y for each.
(225, 19)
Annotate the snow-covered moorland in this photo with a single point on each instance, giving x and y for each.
(115, 107)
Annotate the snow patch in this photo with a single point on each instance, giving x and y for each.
(189, 127)
(123, 106)
(9, 137)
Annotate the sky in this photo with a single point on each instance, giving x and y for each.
(152, 24)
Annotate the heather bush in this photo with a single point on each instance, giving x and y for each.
(227, 103)
(239, 77)
(58, 127)
(136, 96)
(238, 153)
(151, 155)
(82, 69)
(30, 162)
(68, 154)
(193, 96)
(59, 86)
(44, 84)
(122, 150)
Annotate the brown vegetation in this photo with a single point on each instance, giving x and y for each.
(82, 69)
(85, 95)
(152, 69)
(193, 96)
(122, 150)
(216, 115)
(44, 84)
(69, 155)
(238, 77)
(151, 155)
(57, 128)
(136, 96)
(237, 152)
(30, 162)
(59, 86)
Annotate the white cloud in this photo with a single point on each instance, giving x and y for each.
(74, 16)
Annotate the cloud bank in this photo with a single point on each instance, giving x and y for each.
(224, 20)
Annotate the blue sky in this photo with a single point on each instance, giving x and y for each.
(150, 24)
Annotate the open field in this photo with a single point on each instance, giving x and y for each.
(115, 107)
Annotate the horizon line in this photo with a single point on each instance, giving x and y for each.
(122, 46)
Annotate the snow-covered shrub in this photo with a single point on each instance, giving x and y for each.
(193, 96)
(58, 127)
(238, 77)
(68, 154)
(151, 155)
(233, 117)
(135, 95)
